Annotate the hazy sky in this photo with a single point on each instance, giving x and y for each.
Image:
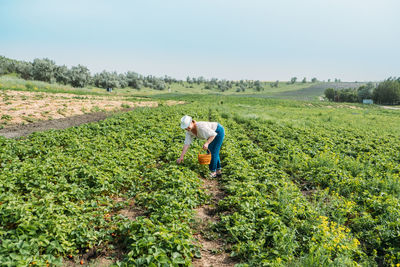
(353, 40)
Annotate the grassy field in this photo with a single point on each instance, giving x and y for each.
(12, 82)
(297, 91)
(306, 183)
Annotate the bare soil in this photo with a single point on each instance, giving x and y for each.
(22, 113)
(18, 106)
(388, 107)
(21, 130)
(212, 249)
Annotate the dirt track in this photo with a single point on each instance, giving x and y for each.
(24, 130)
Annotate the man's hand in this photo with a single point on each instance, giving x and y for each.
(180, 160)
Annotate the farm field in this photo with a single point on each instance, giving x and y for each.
(305, 183)
(17, 107)
(307, 91)
(23, 102)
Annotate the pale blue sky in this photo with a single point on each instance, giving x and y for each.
(353, 40)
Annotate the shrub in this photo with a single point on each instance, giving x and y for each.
(387, 92)
(330, 94)
(365, 91)
(79, 76)
(43, 69)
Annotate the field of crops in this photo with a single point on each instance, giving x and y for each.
(297, 192)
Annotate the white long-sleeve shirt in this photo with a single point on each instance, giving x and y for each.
(205, 130)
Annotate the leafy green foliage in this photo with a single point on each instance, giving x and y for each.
(266, 216)
(365, 91)
(388, 92)
(79, 76)
(301, 189)
(352, 179)
(43, 69)
(58, 192)
(330, 94)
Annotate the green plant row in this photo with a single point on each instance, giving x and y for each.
(266, 218)
(352, 176)
(61, 192)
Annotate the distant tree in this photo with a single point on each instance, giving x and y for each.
(6, 65)
(293, 80)
(159, 85)
(257, 86)
(314, 80)
(138, 84)
(365, 91)
(24, 69)
(43, 70)
(61, 74)
(168, 79)
(134, 80)
(275, 84)
(201, 80)
(329, 80)
(330, 94)
(304, 80)
(346, 95)
(122, 80)
(230, 84)
(213, 82)
(106, 80)
(79, 76)
(222, 85)
(387, 92)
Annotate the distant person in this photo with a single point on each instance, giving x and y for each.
(213, 132)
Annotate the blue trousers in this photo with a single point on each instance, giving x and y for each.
(215, 147)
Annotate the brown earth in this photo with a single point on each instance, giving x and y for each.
(212, 249)
(18, 107)
(22, 113)
(21, 130)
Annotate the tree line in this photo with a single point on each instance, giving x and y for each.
(294, 79)
(79, 76)
(386, 92)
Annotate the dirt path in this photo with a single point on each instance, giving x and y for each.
(26, 129)
(212, 251)
(388, 107)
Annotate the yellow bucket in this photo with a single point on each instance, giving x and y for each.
(204, 158)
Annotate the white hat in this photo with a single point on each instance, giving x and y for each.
(185, 121)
